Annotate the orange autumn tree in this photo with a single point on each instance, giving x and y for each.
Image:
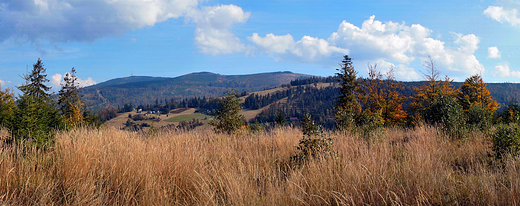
(393, 113)
(371, 98)
(474, 92)
(380, 98)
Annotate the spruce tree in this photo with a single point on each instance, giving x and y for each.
(36, 116)
(347, 105)
(69, 100)
(228, 119)
(7, 108)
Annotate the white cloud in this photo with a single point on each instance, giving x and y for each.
(401, 71)
(213, 33)
(309, 49)
(57, 81)
(2, 83)
(501, 14)
(376, 41)
(503, 70)
(401, 43)
(493, 53)
(84, 20)
(86, 82)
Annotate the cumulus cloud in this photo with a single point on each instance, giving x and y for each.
(504, 14)
(57, 81)
(503, 70)
(376, 41)
(84, 20)
(401, 43)
(306, 49)
(2, 83)
(493, 53)
(401, 71)
(213, 33)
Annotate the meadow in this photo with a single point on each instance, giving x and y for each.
(107, 166)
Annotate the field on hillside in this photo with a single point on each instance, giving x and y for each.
(188, 117)
(198, 167)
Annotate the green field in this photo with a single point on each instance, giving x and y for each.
(188, 117)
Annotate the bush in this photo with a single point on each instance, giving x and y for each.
(506, 140)
(478, 117)
(446, 113)
(370, 125)
(314, 143)
(511, 114)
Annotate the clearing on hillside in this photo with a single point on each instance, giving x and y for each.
(188, 117)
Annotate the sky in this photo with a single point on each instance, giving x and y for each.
(106, 39)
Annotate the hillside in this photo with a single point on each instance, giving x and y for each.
(147, 90)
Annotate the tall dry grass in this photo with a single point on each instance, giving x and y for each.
(113, 167)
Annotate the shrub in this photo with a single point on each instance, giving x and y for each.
(478, 117)
(446, 113)
(370, 125)
(511, 114)
(314, 143)
(506, 140)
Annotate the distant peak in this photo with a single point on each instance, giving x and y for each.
(202, 73)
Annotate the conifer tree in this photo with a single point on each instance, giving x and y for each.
(36, 115)
(474, 92)
(347, 105)
(228, 119)
(7, 108)
(69, 100)
(35, 83)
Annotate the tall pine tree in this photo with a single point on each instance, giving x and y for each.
(347, 105)
(69, 100)
(36, 116)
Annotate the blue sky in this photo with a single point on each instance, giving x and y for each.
(106, 39)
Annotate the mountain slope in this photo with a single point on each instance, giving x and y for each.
(148, 90)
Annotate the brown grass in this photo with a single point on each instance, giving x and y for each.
(113, 167)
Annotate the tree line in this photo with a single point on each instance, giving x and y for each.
(36, 114)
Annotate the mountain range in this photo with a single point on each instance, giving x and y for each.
(147, 90)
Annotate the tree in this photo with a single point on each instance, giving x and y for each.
(35, 83)
(36, 115)
(280, 119)
(430, 91)
(227, 118)
(393, 113)
(474, 92)
(69, 100)
(347, 105)
(371, 97)
(7, 108)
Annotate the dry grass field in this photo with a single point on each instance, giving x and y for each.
(114, 167)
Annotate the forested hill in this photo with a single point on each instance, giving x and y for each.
(146, 90)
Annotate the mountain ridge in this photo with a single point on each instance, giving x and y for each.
(147, 89)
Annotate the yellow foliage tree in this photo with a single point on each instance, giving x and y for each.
(474, 92)
(430, 91)
(380, 97)
(393, 113)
